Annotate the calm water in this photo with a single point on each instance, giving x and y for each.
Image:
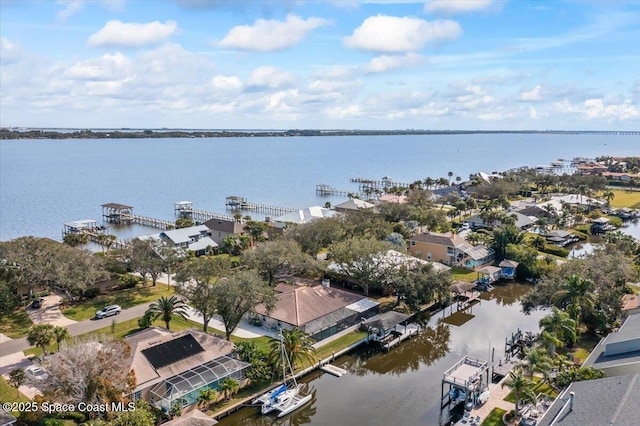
(44, 183)
(403, 386)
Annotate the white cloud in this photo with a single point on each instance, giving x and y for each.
(456, 6)
(532, 95)
(393, 34)
(9, 51)
(593, 109)
(384, 63)
(267, 77)
(106, 67)
(324, 86)
(118, 33)
(226, 82)
(70, 8)
(267, 35)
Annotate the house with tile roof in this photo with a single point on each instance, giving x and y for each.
(318, 309)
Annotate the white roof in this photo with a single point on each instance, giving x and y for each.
(393, 257)
(183, 235)
(202, 244)
(355, 204)
(362, 305)
(305, 216)
(577, 199)
(82, 223)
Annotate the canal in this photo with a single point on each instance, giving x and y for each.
(403, 386)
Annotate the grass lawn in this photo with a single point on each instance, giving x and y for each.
(125, 328)
(125, 298)
(494, 418)
(581, 349)
(461, 274)
(15, 325)
(263, 342)
(539, 387)
(9, 394)
(630, 199)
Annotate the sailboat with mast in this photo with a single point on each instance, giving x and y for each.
(287, 397)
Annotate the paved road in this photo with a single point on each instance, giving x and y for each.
(19, 345)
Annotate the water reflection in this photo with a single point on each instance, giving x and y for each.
(507, 295)
(421, 350)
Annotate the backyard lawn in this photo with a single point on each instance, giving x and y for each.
(461, 274)
(125, 298)
(15, 325)
(494, 418)
(629, 199)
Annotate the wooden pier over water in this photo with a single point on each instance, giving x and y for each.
(370, 185)
(325, 190)
(235, 202)
(123, 215)
(185, 209)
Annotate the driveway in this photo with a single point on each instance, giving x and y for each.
(49, 312)
(13, 361)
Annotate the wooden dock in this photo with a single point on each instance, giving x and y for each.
(235, 202)
(96, 238)
(148, 221)
(370, 185)
(326, 190)
(406, 334)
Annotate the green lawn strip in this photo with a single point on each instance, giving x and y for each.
(629, 199)
(495, 417)
(15, 325)
(9, 394)
(124, 329)
(461, 274)
(538, 387)
(125, 298)
(263, 342)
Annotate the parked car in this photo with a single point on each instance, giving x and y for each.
(37, 303)
(35, 372)
(108, 311)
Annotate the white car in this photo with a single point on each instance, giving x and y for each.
(36, 372)
(107, 311)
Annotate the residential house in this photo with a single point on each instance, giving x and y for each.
(192, 238)
(560, 237)
(579, 200)
(619, 352)
(317, 309)
(450, 249)
(608, 401)
(631, 303)
(591, 169)
(220, 229)
(522, 222)
(172, 368)
(194, 417)
(449, 190)
(623, 177)
(6, 418)
(304, 216)
(392, 198)
(353, 204)
(489, 274)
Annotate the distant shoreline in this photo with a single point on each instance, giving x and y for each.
(8, 134)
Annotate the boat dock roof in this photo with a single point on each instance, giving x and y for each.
(465, 372)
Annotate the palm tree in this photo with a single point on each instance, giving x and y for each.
(504, 235)
(537, 361)
(60, 334)
(167, 308)
(230, 387)
(557, 329)
(41, 335)
(522, 388)
(575, 295)
(207, 396)
(608, 195)
(538, 242)
(75, 240)
(298, 347)
(429, 182)
(450, 174)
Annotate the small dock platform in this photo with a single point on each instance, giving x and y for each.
(332, 369)
(326, 190)
(402, 334)
(464, 378)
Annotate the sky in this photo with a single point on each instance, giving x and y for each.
(333, 64)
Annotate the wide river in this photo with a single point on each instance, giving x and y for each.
(44, 183)
(403, 386)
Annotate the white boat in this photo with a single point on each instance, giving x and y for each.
(287, 397)
(484, 396)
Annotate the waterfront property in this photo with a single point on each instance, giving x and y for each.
(194, 417)
(619, 352)
(304, 216)
(606, 401)
(220, 229)
(560, 238)
(193, 238)
(172, 368)
(508, 269)
(464, 379)
(353, 204)
(450, 249)
(523, 222)
(382, 327)
(489, 274)
(317, 309)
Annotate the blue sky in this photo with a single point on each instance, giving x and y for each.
(377, 64)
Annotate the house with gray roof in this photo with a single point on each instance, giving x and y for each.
(172, 368)
(619, 352)
(192, 238)
(220, 229)
(523, 222)
(450, 249)
(608, 401)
